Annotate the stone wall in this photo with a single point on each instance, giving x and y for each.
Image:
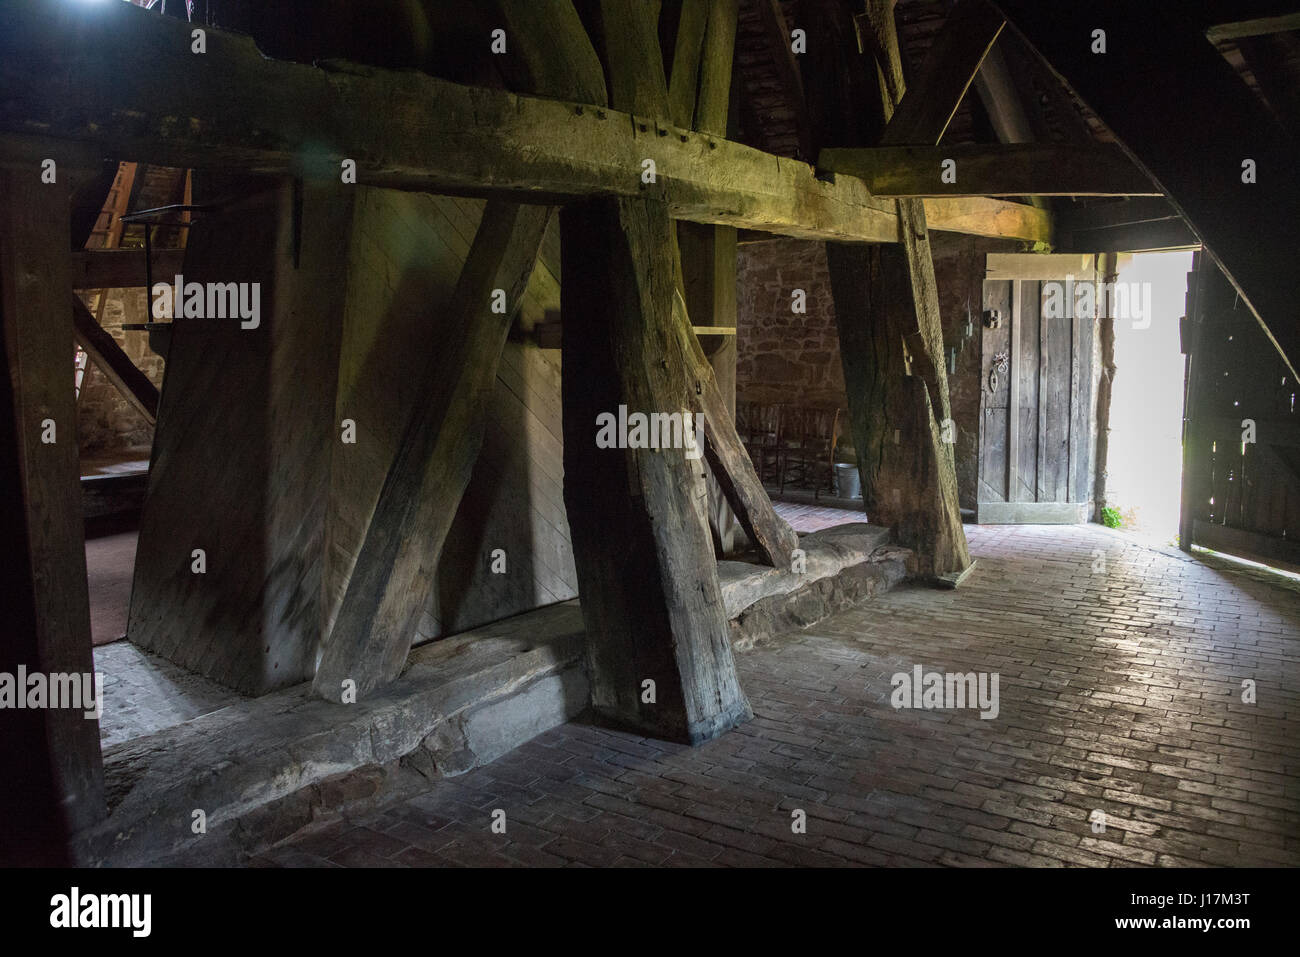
(783, 356)
(108, 427)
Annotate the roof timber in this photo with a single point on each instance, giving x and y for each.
(1187, 119)
(232, 107)
(998, 170)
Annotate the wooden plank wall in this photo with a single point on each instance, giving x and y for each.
(406, 253)
(242, 448)
(1247, 488)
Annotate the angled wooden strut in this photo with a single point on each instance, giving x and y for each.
(395, 569)
(887, 310)
(116, 365)
(394, 573)
(658, 640)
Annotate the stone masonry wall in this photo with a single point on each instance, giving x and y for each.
(783, 356)
(787, 357)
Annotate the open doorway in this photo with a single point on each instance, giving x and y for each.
(1144, 462)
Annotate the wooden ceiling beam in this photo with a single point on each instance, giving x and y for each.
(993, 170)
(777, 34)
(1259, 27)
(234, 108)
(928, 106)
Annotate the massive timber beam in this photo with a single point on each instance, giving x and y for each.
(1187, 118)
(658, 645)
(234, 108)
(891, 338)
(45, 580)
(1029, 169)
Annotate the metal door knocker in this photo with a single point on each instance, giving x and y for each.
(1001, 362)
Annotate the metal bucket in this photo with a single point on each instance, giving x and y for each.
(848, 484)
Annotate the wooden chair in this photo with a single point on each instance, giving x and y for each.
(809, 448)
(764, 446)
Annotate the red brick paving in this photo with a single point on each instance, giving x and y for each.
(1120, 692)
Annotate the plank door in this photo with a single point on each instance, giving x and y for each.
(1241, 433)
(1037, 389)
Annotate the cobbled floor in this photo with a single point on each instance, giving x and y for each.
(1121, 738)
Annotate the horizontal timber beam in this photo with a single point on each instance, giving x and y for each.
(233, 108)
(1027, 169)
(1262, 26)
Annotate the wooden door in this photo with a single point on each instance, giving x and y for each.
(1241, 432)
(1038, 382)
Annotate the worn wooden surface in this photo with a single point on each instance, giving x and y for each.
(394, 571)
(50, 570)
(909, 476)
(992, 170)
(951, 63)
(1239, 496)
(1038, 425)
(650, 592)
(239, 109)
(242, 449)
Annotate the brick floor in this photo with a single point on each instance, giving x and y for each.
(811, 518)
(1120, 692)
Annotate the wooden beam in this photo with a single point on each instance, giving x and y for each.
(1262, 26)
(729, 462)
(1039, 266)
(548, 50)
(116, 365)
(1161, 234)
(263, 402)
(997, 90)
(912, 482)
(992, 170)
(1122, 212)
(648, 581)
(994, 218)
(122, 268)
(711, 109)
(234, 108)
(950, 67)
(688, 43)
(394, 572)
(780, 46)
(1154, 87)
(35, 240)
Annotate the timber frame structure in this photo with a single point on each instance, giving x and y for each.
(609, 118)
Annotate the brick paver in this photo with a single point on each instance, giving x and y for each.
(1120, 692)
